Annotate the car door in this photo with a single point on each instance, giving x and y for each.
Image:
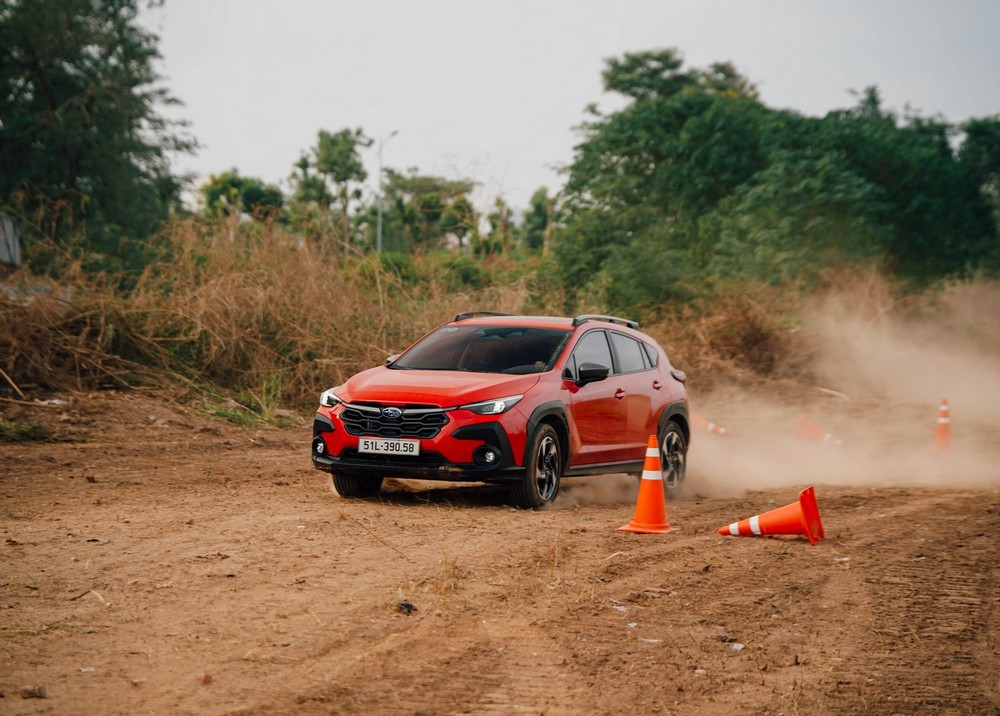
(597, 410)
(642, 386)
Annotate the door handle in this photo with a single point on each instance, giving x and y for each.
(619, 394)
(657, 385)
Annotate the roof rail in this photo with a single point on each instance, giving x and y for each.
(600, 317)
(473, 314)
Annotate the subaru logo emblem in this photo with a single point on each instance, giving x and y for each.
(391, 413)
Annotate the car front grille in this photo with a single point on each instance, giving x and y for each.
(414, 422)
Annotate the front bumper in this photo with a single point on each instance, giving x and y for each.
(335, 452)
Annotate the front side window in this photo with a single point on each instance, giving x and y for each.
(592, 348)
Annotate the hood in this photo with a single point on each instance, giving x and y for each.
(444, 388)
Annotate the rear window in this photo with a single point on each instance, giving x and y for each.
(631, 355)
(485, 349)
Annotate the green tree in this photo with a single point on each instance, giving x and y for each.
(722, 79)
(793, 218)
(229, 191)
(940, 220)
(980, 156)
(688, 140)
(501, 233)
(334, 161)
(419, 210)
(309, 187)
(536, 225)
(83, 149)
(696, 170)
(459, 219)
(647, 75)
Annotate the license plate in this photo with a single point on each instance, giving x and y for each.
(389, 446)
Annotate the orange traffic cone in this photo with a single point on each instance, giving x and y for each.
(808, 429)
(705, 426)
(797, 518)
(942, 436)
(650, 509)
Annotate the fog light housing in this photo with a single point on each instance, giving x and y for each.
(486, 455)
(319, 447)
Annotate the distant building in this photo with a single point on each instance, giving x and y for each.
(10, 245)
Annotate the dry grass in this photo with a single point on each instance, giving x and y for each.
(745, 334)
(255, 313)
(73, 335)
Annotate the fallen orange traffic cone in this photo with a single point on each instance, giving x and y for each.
(797, 518)
(942, 436)
(650, 509)
(705, 426)
(808, 429)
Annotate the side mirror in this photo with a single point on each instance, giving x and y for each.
(591, 373)
(391, 359)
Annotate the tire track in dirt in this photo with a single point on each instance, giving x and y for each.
(453, 655)
(219, 553)
(931, 613)
(533, 672)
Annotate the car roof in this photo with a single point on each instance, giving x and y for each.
(493, 318)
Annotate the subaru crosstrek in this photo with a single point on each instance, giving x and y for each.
(515, 400)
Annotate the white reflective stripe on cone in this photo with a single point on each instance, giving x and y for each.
(944, 420)
(755, 524)
(734, 529)
(652, 452)
(651, 475)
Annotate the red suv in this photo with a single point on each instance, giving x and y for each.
(514, 400)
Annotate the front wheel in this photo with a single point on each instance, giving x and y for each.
(673, 456)
(348, 485)
(542, 469)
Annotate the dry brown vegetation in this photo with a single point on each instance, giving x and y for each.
(255, 312)
(252, 312)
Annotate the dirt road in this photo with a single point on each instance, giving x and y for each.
(159, 562)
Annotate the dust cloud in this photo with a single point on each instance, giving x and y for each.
(868, 417)
(868, 414)
(599, 490)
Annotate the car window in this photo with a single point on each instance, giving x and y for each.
(486, 349)
(631, 356)
(592, 348)
(651, 354)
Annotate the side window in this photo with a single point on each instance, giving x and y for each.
(651, 354)
(592, 348)
(631, 355)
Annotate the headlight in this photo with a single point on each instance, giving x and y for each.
(494, 407)
(329, 398)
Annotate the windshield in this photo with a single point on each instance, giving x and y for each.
(486, 349)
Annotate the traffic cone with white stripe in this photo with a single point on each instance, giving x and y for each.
(707, 426)
(809, 430)
(797, 518)
(650, 509)
(942, 436)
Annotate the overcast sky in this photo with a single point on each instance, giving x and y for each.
(491, 91)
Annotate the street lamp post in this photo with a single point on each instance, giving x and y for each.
(381, 192)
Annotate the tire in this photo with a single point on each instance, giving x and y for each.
(673, 457)
(348, 485)
(542, 470)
